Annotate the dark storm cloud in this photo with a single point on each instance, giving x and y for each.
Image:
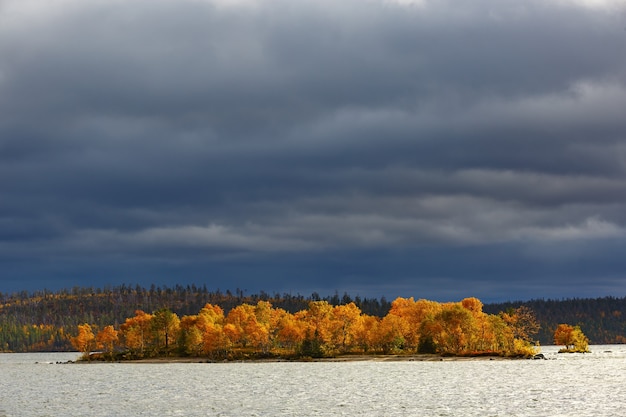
(379, 147)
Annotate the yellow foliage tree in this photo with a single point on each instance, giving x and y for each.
(456, 329)
(323, 329)
(85, 341)
(106, 340)
(165, 326)
(190, 336)
(320, 322)
(290, 332)
(215, 342)
(390, 334)
(522, 322)
(348, 323)
(414, 313)
(572, 338)
(366, 333)
(136, 333)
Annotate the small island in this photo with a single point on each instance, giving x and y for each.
(572, 338)
(322, 331)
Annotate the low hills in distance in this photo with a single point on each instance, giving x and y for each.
(46, 320)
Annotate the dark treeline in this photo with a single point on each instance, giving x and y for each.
(603, 320)
(45, 320)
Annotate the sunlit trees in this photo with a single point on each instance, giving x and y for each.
(85, 341)
(413, 315)
(249, 325)
(45, 320)
(203, 333)
(390, 334)
(106, 340)
(400, 327)
(289, 332)
(502, 338)
(564, 335)
(260, 330)
(366, 333)
(572, 338)
(165, 326)
(456, 329)
(189, 336)
(581, 342)
(348, 322)
(319, 324)
(136, 333)
(464, 329)
(523, 322)
(215, 342)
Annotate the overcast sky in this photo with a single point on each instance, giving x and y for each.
(430, 148)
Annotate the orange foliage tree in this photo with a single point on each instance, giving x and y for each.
(572, 338)
(411, 326)
(136, 333)
(390, 334)
(289, 331)
(106, 340)
(348, 324)
(204, 333)
(189, 336)
(249, 325)
(85, 341)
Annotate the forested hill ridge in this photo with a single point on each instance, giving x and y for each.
(45, 320)
(603, 320)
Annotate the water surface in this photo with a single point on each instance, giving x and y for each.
(565, 385)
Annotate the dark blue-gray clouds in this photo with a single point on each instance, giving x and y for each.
(433, 149)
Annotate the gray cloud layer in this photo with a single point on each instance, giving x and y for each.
(381, 147)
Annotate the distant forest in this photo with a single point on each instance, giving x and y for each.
(46, 320)
(603, 320)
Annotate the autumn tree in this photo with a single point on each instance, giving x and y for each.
(406, 324)
(502, 338)
(523, 322)
(390, 334)
(106, 340)
(136, 333)
(455, 328)
(85, 341)
(246, 328)
(319, 319)
(289, 332)
(581, 342)
(259, 327)
(460, 328)
(414, 313)
(165, 326)
(366, 333)
(214, 333)
(189, 336)
(563, 335)
(215, 341)
(348, 322)
(572, 338)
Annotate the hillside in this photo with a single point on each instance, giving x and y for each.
(603, 320)
(44, 320)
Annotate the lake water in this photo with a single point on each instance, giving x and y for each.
(566, 385)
